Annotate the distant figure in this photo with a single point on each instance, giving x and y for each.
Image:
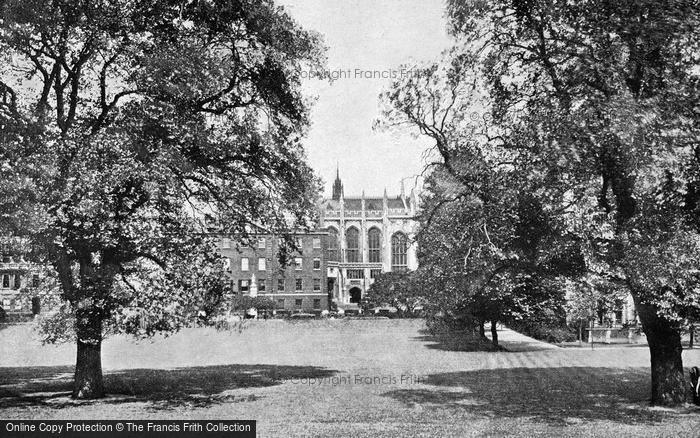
(695, 380)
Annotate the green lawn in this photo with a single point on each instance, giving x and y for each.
(347, 378)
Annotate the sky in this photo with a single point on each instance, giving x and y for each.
(366, 35)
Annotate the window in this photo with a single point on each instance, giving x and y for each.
(261, 243)
(261, 285)
(355, 274)
(243, 286)
(297, 303)
(374, 273)
(6, 281)
(18, 281)
(261, 264)
(227, 264)
(280, 284)
(352, 240)
(317, 284)
(298, 284)
(226, 243)
(374, 238)
(298, 263)
(35, 280)
(299, 242)
(317, 243)
(244, 264)
(317, 264)
(280, 303)
(317, 303)
(399, 246)
(333, 244)
(6, 303)
(618, 316)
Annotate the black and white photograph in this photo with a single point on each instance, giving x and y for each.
(349, 218)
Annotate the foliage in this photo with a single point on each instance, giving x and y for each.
(593, 112)
(403, 290)
(604, 132)
(245, 302)
(57, 326)
(129, 128)
(554, 334)
(592, 296)
(146, 118)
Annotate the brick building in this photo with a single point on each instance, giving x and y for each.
(302, 286)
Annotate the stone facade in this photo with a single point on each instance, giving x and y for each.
(367, 235)
(19, 282)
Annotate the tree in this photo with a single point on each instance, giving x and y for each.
(403, 290)
(594, 104)
(489, 255)
(625, 130)
(125, 126)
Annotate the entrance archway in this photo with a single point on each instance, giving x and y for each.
(355, 295)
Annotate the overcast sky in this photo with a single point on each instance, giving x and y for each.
(366, 35)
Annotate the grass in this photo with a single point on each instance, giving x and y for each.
(347, 378)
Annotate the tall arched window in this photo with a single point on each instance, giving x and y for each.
(352, 243)
(333, 245)
(399, 248)
(374, 238)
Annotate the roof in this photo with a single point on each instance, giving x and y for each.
(373, 203)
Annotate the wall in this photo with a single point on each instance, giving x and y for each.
(274, 271)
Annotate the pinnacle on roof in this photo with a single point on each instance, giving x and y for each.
(337, 186)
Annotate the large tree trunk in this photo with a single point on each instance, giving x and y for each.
(88, 366)
(668, 384)
(482, 330)
(494, 334)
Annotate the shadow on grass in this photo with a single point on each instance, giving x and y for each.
(455, 341)
(550, 395)
(160, 388)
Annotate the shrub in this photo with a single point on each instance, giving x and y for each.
(553, 334)
(246, 302)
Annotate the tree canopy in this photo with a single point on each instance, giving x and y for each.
(125, 125)
(591, 109)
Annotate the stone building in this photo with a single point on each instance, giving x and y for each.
(301, 286)
(19, 283)
(367, 235)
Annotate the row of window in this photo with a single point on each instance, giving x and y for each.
(262, 243)
(7, 304)
(244, 285)
(358, 274)
(262, 264)
(399, 247)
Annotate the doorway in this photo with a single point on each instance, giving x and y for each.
(355, 295)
